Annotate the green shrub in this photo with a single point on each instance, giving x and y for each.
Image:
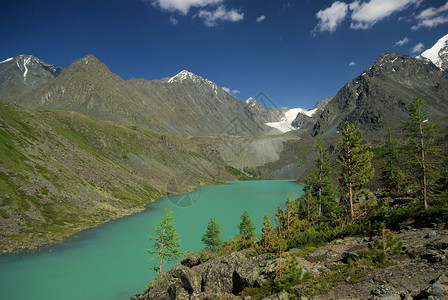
(383, 246)
(291, 276)
(258, 293)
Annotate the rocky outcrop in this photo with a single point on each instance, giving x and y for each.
(419, 272)
(228, 274)
(305, 121)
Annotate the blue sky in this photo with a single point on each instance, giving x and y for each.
(295, 52)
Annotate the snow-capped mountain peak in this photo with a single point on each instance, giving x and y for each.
(186, 75)
(438, 54)
(181, 76)
(25, 63)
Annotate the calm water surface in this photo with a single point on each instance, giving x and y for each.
(110, 261)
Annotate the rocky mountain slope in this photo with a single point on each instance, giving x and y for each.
(380, 96)
(20, 75)
(266, 115)
(184, 104)
(306, 121)
(61, 172)
(189, 104)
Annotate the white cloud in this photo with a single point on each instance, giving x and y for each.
(352, 64)
(182, 6)
(229, 91)
(331, 17)
(432, 12)
(261, 19)
(366, 13)
(417, 48)
(173, 21)
(221, 13)
(432, 17)
(401, 42)
(363, 13)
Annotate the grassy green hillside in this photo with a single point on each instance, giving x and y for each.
(61, 172)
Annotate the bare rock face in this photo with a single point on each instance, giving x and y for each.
(229, 274)
(21, 74)
(380, 96)
(179, 282)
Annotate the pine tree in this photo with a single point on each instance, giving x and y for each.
(310, 206)
(167, 245)
(289, 216)
(356, 163)
(420, 133)
(394, 178)
(211, 238)
(320, 183)
(246, 227)
(266, 230)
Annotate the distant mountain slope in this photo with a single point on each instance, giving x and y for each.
(88, 87)
(61, 172)
(190, 104)
(23, 73)
(273, 114)
(184, 104)
(380, 96)
(306, 120)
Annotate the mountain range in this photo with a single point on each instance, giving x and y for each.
(81, 146)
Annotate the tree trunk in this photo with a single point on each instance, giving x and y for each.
(161, 251)
(425, 200)
(350, 189)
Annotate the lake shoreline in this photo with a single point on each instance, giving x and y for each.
(109, 261)
(46, 242)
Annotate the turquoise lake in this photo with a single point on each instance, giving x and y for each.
(110, 261)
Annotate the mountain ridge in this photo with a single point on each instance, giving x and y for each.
(186, 104)
(380, 96)
(23, 73)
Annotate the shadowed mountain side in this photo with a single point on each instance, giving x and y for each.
(380, 96)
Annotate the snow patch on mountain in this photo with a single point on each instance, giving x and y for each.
(25, 62)
(6, 60)
(285, 124)
(185, 75)
(252, 102)
(434, 54)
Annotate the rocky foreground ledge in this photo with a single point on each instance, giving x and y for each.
(419, 272)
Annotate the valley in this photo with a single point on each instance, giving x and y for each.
(80, 146)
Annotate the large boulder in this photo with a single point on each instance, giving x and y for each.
(228, 274)
(179, 282)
